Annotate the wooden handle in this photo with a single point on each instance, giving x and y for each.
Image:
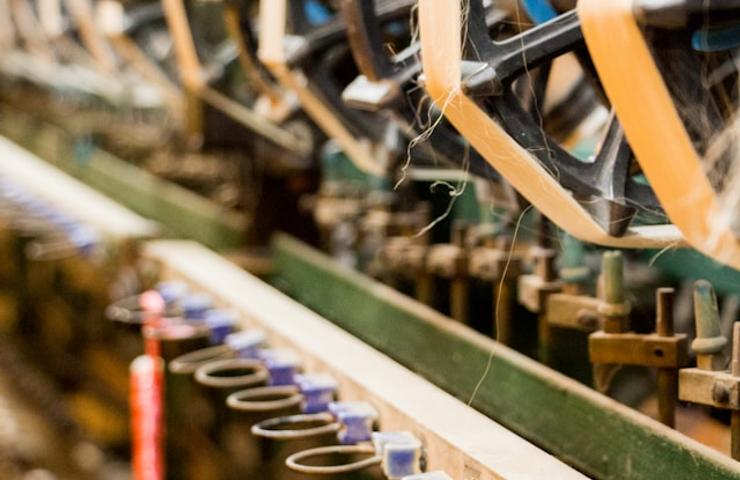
(709, 339)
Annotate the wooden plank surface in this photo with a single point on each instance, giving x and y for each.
(457, 439)
(70, 195)
(599, 436)
(184, 213)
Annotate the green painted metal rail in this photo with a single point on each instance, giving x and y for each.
(183, 213)
(593, 433)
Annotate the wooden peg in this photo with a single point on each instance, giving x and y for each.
(711, 383)
(709, 341)
(614, 310)
(450, 261)
(667, 377)
(735, 370)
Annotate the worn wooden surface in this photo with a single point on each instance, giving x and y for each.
(592, 432)
(720, 389)
(638, 349)
(577, 312)
(457, 439)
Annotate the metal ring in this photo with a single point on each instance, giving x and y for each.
(245, 400)
(292, 461)
(189, 362)
(204, 373)
(265, 428)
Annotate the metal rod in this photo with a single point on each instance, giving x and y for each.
(667, 377)
(735, 434)
(545, 269)
(735, 370)
(545, 265)
(503, 297)
(424, 288)
(667, 393)
(252, 120)
(459, 301)
(543, 338)
(459, 296)
(664, 317)
(613, 275)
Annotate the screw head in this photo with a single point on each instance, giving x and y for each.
(587, 319)
(720, 393)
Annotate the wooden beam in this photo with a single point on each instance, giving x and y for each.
(68, 194)
(595, 434)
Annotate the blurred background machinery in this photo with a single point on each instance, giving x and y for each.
(532, 205)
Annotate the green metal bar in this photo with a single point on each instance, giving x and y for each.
(688, 264)
(593, 433)
(184, 213)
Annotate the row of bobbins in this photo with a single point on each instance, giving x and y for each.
(290, 418)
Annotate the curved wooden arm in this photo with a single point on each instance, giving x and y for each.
(194, 82)
(7, 29)
(274, 102)
(29, 31)
(82, 15)
(111, 18)
(653, 127)
(440, 23)
(256, 78)
(50, 17)
(186, 56)
(273, 20)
